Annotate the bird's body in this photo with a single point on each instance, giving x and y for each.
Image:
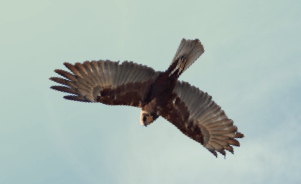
(156, 93)
(159, 93)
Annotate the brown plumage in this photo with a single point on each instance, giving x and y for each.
(157, 93)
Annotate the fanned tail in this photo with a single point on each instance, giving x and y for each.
(188, 52)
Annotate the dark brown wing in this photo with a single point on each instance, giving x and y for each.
(107, 82)
(197, 116)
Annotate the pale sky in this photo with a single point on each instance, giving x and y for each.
(251, 67)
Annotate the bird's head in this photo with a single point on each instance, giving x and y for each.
(147, 118)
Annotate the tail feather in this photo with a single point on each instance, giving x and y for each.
(188, 52)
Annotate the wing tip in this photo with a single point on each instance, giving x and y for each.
(213, 152)
(234, 142)
(239, 135)
(76, 98)
(64, 89)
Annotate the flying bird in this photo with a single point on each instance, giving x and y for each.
(157, 93)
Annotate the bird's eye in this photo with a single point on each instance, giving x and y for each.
(144, 118)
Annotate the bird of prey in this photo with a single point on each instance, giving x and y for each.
(157, 93)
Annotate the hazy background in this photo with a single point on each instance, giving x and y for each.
(251, 67)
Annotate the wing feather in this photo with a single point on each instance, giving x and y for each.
(106, 82)
(197, 116)
(134, 74)
(101, 72)
(83, 73)
(117, 69)
(72, 69)
(64, 89)
(62, 81)
(65, 74)
(119, 74)
(126, 73)
(130, 73)
(95, 72)
(106, 71)
(88, 69)
(75, 98)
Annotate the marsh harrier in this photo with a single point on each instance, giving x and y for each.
(157, 93)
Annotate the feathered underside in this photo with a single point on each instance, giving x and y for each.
(191, 110)
(107, 82)
(197, 116)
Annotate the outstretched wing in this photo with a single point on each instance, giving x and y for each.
(197, 116)
(107, 82)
